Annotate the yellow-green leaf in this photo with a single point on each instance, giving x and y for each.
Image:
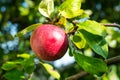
(69, 27)
(27, 29)
(71, 8)
(92, 27)
(24, 55)
(9, 65)
(46, 7)
(62, 21)
(78, 40)
(49, 68)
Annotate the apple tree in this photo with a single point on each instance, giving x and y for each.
(63, 27)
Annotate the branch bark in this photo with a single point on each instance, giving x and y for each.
(113, 60)
(76, 76)
(111, 25)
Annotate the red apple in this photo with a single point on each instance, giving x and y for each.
(49, 42)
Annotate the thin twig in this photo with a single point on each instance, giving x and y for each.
(111, 25)
(113, 60)
(76, 76)
(109, 61)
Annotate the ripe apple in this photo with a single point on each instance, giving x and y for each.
(49, 42)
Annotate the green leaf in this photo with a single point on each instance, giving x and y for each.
(62, 21)
(69, 27)
(96, 42)
(28, 65)
(1, 71)
(51, 70)
(9, 65)
(14, 75)
(46, 7)
(71, 49)
(91, 65)
(78, 40)
(28, 29)
(24, 11)
(71, 8)
(92, 27)
(24, 55)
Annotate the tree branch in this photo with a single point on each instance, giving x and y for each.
(109, 61)
(76, 76)
(113, 60)
(111, 25)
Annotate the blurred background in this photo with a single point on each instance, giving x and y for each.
(15, 15)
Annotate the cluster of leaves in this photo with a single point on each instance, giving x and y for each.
(88, 33)
(15, 69)
(24, 65)
(83, 33)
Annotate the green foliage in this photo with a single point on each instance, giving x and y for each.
(49, 68)
(24, 55)
(71, 49)
(69, 27)
(27, 29)
(46, 8)
(17, 69)
(24, 11)
(93, 34)
(96, 42)
(71, 8)
(14, 75)
(91, 65)
(9, 65)
(16, 60)
(92, 27)
(78, 40)
(28, 65)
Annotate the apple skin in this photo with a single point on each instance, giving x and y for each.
(49, 42)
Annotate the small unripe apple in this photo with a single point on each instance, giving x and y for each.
(49, 42)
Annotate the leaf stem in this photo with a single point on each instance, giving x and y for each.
(110, 61)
